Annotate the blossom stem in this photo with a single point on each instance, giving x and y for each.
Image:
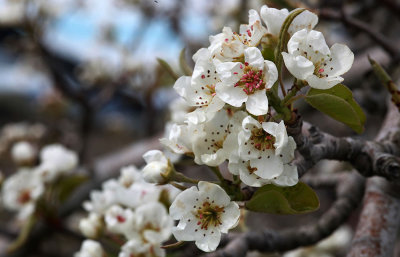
(180, 187)
(217, 172)
(282, 86)
(179, 177)
(294, 98)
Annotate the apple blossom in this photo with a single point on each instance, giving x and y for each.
(204, 212)
(309, 58)
(91, 226)
(119, 220)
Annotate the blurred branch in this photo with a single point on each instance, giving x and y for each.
(386, 43)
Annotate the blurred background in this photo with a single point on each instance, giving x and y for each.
(97, 77)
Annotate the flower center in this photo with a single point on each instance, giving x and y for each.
(209, 215)
(24, 196)
(251, 81)
(121, 219)
(262, 140)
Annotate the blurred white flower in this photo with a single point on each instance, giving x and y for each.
(309, 58)
(21, 191)
(90, 248)
(129, 175)
(203, 213)
(137, 248)
(119, 220)
(92, 225)
(23, 153)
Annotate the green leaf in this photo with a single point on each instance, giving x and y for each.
(67, 185)
(23, 235)
(167, 68)
(296, 199)
(183, 64)
(338, 103)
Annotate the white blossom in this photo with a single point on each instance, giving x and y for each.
(90, 248)
(214, 145)
(199, 89)
(203, 213)
(119, 220)
(56, 160)
(247, 82)
(137, 248)
(180, 138)
(91, 226)
(266, 146)
(157, 164)
(230, 46)
(274, 19)
(152, 224)
(23, 152)
(309, 58)
(21, 191)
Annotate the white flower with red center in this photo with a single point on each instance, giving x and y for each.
(90, 248)
(213, 146)
(309, 58)
(230, 46)
(204, 213)
(288, 177)
(21, 191)
(274, 19)
(119, 220)
(151, 224)
(134, 248)
(157, 164)
(247, 82)
(266, 146)
(199, 89)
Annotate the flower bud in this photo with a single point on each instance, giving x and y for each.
(157, 167)
(23, 153)
(91, 226)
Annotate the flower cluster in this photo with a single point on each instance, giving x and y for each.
(133, 209)
(21, 191)
(223, 118)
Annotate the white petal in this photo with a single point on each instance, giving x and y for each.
(273, 18)
(182, 85)
(215, 105)
(209, 242)
(289, 176)
(268, 166)
(271, 73)
(155, 156)
(215, 193)
(342, 60)
(287, 151)
(305, 20)
(253, 56)
(202, 53)
(183, 203)
(298, 66)
(229, 72)
(257, 103)
(230, 217)
(297, 42)
(324, 82)
(317, 41)
(231, 95)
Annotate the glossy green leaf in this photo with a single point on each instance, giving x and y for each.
(67, 185)
(338, 103)
(296, 199)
